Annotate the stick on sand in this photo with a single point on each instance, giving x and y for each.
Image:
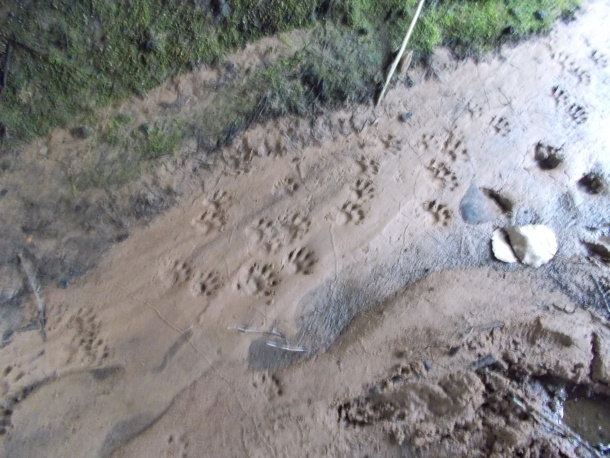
(402, 50)
(27, 267)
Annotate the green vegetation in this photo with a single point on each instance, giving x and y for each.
(67, 58)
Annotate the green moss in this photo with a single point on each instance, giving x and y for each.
(155, 141)
(68, 58)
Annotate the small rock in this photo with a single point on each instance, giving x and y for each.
(404, 117)
(145, 128)
(541, 15)
(534, 244)
(484, 362)
(501, 247)
(454, 350)
(81, 132)
(149, 45)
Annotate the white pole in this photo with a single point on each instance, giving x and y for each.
(402, 49)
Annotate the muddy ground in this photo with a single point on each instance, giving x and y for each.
(357, 244)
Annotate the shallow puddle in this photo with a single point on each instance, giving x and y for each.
(589, 417)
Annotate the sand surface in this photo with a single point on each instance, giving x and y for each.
(359, 246)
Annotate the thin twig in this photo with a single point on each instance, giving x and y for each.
(246, 329)
(545, 419)
(285, 347)
(35, 287)
(5, 65)
(402, 50)
(601, 292)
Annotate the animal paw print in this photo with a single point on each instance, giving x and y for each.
(560, 95)
(207, 284)
(277, 148)
(214, 216)
(501, 125)
(86, 345)
(392, 143)
(177, 446)
(599, 58)
(11, 375)
(295, 226)
(442, 215)
(300, 261)
(287, 186)
(429, 143)
(177, 273)
(363, 190)
(454, 147)
(368, 167)
(475, 110)
(578, 113)
(351, 213)
(584, 77)
(442, 172)
(547, 157)
(257, 279)
(6, 423)
(238, 161)
(269, 384)
(266, 235)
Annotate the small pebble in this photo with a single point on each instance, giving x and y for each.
(484, 362)
(541, 15)
(405, 116)
(398, 380)
(81, 132)
(453, 350)
(145, 128)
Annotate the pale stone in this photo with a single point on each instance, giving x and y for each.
(534, 244)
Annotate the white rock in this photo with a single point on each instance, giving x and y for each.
(501, 247)
(534, 244)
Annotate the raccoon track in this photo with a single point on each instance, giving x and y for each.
(214, 215)
(501, 125)
(266, 234)
(177, 272)
(560, 95)
(442, 215)
(368, 167)
(363, 190)
(547, 157)
(300, 261)
(206, 284)
(257, 279)
(442, 172)
(287, 186)
(351, 213)
(578, 113)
